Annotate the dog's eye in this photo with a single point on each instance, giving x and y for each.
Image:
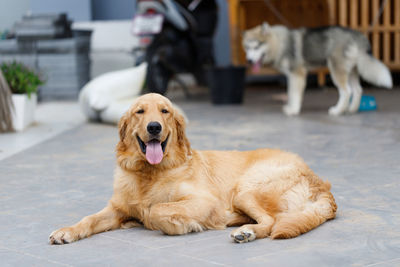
(140, 111)
(164, 110)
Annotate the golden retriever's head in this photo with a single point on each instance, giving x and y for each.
(152, 134)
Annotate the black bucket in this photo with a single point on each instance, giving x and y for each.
(227, 84)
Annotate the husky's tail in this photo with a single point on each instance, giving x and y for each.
(293, 223)
(374, 71)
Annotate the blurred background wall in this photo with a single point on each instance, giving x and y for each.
(77, 10)
(12, 10)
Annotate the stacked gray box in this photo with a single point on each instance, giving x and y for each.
(43, 26)
(63, 63)
(22, 52)
(66, 64)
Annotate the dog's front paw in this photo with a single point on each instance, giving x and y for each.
(63, 236)
(290, 111)
(243, 235)
(335, 111)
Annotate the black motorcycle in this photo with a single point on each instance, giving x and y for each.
(175, 37)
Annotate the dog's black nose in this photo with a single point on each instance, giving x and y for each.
(249, 62)
(154, 127)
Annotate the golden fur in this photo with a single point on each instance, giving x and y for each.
(269, 192)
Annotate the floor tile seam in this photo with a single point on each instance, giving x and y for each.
(200, 259)
(151, 248)
(49, 138)
(35, 256)
(321, 120)
(379, 186)
(35, 245)
(382, 262)
(162, 247)
(273, 253)
(129, 242)
(295, 247)
(194, 241)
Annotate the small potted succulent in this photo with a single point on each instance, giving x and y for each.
(23, 83)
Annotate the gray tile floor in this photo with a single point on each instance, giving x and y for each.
(51, 119)
(57, 182)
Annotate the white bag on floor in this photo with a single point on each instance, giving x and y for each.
(107, 97)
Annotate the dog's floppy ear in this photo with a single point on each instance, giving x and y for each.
(124, 159)
(122, 125)
(122, 128)
(265, 28)
(180, 129)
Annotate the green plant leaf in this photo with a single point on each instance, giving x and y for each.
(21, 79)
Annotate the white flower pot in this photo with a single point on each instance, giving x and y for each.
(24, 110)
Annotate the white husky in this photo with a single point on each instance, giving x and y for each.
(346, 52)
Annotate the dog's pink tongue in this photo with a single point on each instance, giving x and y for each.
(154, 153)
(256, 67)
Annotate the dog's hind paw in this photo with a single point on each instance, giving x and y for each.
(243, 235)
(130, 224)
(290, 111)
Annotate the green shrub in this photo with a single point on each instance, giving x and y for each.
(20, 78)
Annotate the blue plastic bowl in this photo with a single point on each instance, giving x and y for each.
(367, 103)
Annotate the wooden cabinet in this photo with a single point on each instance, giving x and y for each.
(382, 28)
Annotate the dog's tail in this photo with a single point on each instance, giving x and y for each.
(374, 71)
(294, 223)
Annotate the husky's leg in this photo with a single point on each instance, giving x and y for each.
(340, 78)
(356, 91)
(296, 86)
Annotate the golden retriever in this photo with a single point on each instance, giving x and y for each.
(164, 184)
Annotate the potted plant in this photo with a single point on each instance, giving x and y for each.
(23, 83)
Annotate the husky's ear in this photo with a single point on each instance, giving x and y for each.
(265, 28)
